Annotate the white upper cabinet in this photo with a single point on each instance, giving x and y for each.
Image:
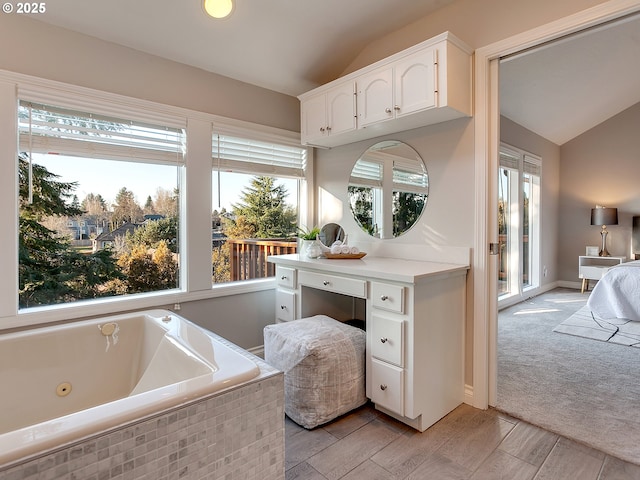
(375, 97)
(405, 87)
(422, 85)
(329, 113)
(416, 83)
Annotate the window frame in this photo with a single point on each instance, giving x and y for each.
(195, 276)
(521, 164)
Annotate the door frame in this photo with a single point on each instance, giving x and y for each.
(487, 142)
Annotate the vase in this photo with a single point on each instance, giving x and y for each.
(309, 248)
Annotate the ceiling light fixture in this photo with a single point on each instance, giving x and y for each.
(218, 8)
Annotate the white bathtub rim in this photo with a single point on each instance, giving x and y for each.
(25, 443)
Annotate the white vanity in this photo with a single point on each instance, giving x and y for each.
(414, 313)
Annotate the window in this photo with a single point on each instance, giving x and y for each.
(518, 222)
(98, 205)
(255, 205)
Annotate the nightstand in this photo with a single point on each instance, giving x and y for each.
(593, 267)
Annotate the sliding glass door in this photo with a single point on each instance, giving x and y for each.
(518, 222)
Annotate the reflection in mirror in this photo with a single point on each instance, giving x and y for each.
(331, 232)
(388, 189)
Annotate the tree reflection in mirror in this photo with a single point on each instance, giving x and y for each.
(388, 189)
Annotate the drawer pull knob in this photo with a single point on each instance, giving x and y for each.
(384, 340)
(384, 297)
(283, 277)
(326, 282)
(383, 387)
(283, 307)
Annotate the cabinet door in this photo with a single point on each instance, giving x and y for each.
(313, 118)
(341, 109)
(415, 83)
(375, 97)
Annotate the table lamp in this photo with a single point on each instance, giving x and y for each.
(604, 216)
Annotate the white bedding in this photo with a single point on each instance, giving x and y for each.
(617, 293)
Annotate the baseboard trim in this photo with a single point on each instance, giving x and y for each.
(568, 284)
(468, 394)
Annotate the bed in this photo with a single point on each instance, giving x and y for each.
(617, 293)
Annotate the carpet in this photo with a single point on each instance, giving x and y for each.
(586, 324)
(579, 388)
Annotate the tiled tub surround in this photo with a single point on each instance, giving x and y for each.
(236, 431)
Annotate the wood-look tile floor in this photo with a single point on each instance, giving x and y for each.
(468, 444)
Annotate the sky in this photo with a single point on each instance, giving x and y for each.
(107, 177)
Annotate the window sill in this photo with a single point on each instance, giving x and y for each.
(107, 306)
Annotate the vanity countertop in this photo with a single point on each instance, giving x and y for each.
(385, 268)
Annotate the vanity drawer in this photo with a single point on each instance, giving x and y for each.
(332, 283)
(387, 386)
(285, 306)
(286, 277)
(387, 342)
(387, 296)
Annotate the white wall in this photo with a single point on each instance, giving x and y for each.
(35, 48)
(446, 151)
(477, 22)
(599, 167)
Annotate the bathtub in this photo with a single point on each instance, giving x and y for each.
(65, 383)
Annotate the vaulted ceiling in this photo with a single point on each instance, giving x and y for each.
(289, 46)
(569, 86)
(558, 91)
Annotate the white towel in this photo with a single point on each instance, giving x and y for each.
(345, 249)
(354, 250)
(335, 249)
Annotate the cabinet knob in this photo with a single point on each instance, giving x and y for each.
(283, 277)
(322, 129)
(384, 340)
(384, 297)
(383, 387)
(326, 282)
(283, 307)
(328, 129)
(387, 110)
(397, 108)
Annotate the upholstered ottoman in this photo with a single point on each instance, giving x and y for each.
(323, 364)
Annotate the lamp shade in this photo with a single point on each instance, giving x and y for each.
(604, 216)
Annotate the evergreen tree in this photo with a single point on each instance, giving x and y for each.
(154, 232)
(407, 208)
(126, 209)
(149, 209)
(50, 271)
(263, 205)
(361, 203)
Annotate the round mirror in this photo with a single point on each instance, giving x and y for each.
(388, 189)
(331, 232)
